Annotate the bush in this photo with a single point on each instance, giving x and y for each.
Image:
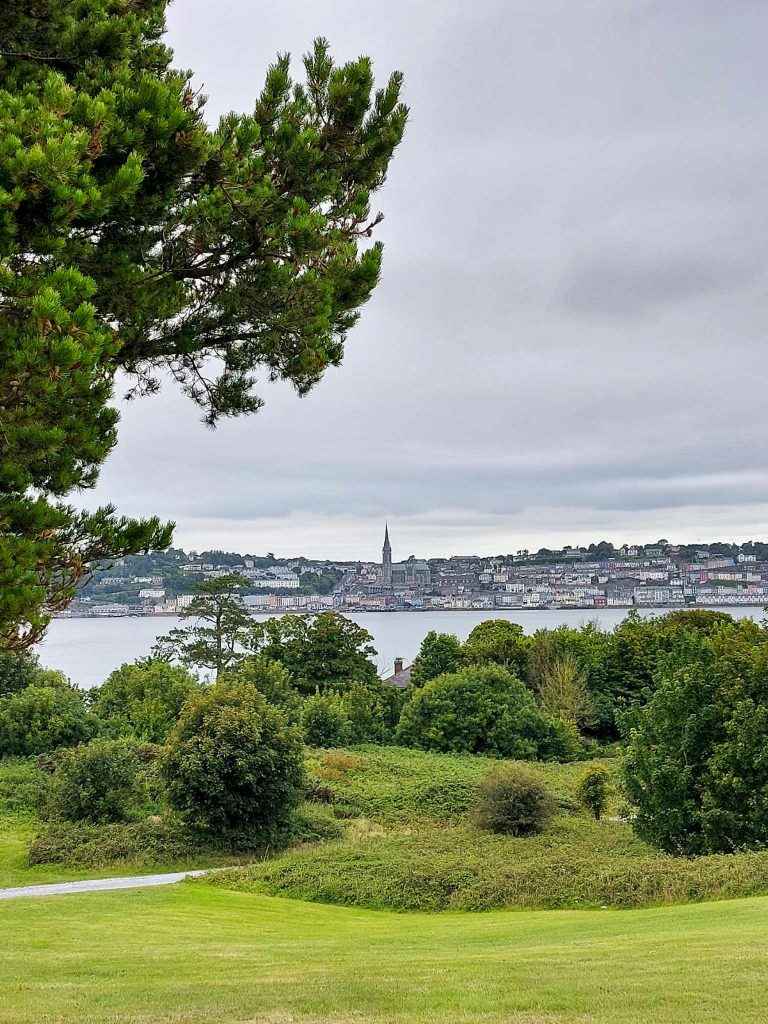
(365, 715)
(273, 681)
(37, 720)
(315, 824)
(233, 765)
(144, 699)
(498, 642)
(85, 845)
(594, 790)
(324, 721)
(96, 782)
(479, 711)
(511, 800)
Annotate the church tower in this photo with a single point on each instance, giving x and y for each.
(386, 560)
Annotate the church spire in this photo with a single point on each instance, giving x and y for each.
(386, 559)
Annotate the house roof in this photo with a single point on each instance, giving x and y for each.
(400, 679)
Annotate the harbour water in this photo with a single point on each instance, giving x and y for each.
(87, 650)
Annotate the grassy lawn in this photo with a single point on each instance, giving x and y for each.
(195, 953)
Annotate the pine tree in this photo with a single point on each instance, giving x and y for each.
(134, 237)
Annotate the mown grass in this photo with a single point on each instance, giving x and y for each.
(198, 955)
(412, 847)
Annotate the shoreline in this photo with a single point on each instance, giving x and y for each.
(427, 611)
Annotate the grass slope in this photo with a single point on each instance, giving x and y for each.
(409, 846)
(200, 954)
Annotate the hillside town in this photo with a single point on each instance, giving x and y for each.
(659, 575)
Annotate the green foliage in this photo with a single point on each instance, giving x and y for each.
(497, 642)
(512, 800)
(696, 765)
(594, 790)
(394, 784)
(366, 715)
(326, 651)
(40, 719)
(313, 823)
(134, 237)
(482, 710)
(23, 786)
(220, 645)
(143, 699)
(17, 671)
(576, 862)
(273, 681)
(96, 782)
(87, 845)
(325, 721)
(233, 765)
(439, 654)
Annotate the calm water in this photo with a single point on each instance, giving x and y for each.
(88, 649)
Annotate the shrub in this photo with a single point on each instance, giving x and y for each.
(365, 715)
(85, 845)
(513, 801)
(478, 710)
(96, 782)
(272, 680)
(575, 863)
(40, 719)
(143, 699)
(313, 823)
(233, 765)
(594, 790)
(325, 721)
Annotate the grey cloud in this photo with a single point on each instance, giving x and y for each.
(568, 339)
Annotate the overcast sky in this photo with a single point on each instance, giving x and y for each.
(568, 342)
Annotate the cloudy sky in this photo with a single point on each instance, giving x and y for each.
(568, 342)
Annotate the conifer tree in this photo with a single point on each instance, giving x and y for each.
(136, 238)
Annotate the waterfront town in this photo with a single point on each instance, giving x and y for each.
(658, 575)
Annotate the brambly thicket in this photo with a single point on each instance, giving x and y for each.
(571, 767)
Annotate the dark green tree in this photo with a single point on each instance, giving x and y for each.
(497, 642)
(439, 653)
(40, 719)
(696, 763)
(143, 700)
(326, 651)
(483, 710)
(136, 238)
(222, 630)
(233, 766)
(325, 721)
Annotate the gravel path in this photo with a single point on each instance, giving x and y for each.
(96, 885)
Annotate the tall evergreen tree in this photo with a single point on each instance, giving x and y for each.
(135, 238)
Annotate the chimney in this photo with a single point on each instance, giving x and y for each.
(398, 666)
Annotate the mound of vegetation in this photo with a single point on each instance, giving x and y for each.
(410, 845)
